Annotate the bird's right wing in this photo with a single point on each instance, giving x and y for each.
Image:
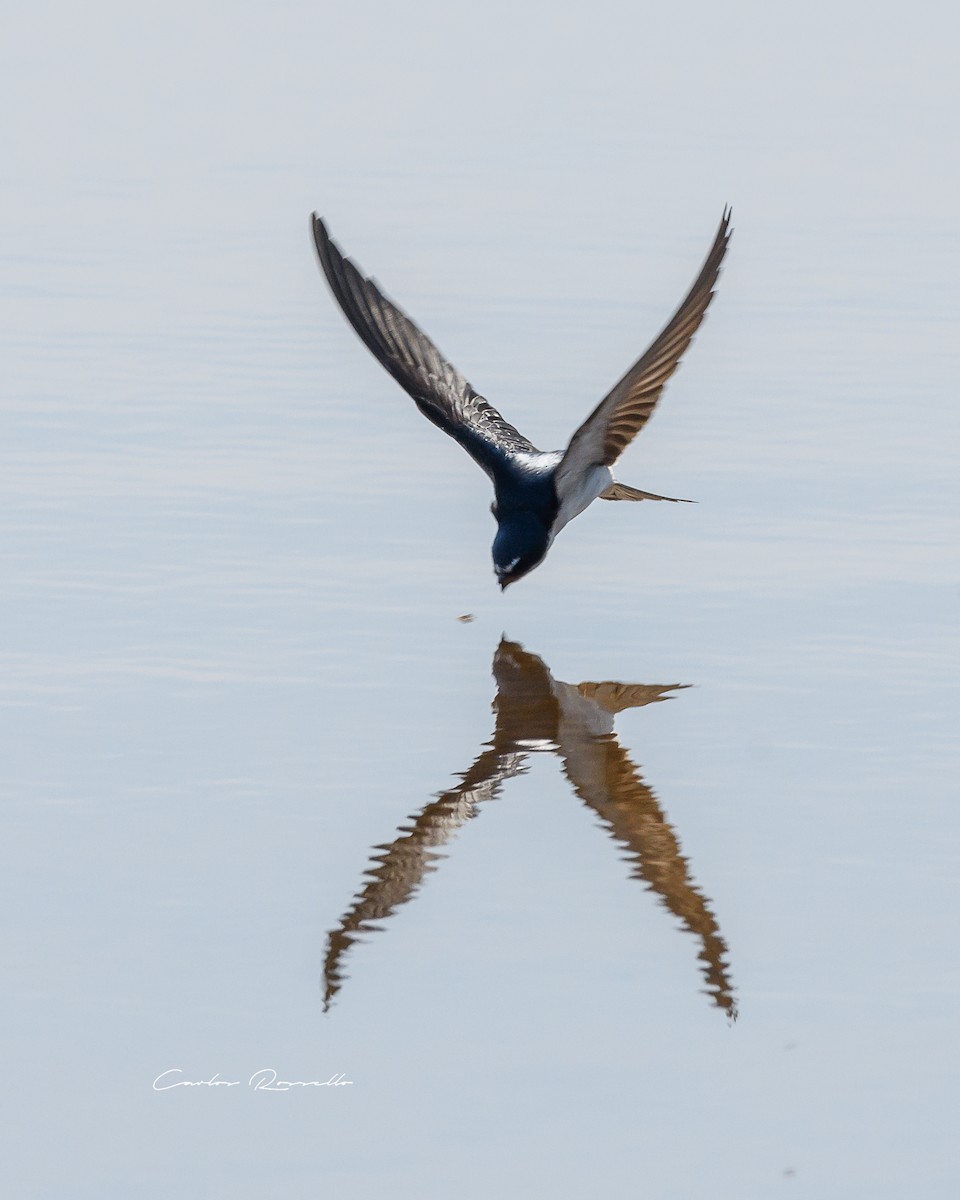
(441, 393)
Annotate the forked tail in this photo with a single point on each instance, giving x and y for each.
(621, 491)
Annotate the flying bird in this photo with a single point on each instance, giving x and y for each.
(536, 492)
(537, 713)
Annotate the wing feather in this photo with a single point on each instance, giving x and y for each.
(620, 416)
(439, 390)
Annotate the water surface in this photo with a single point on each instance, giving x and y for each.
(239, 710)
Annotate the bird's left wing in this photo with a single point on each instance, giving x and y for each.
(441, 393)
(620, 416)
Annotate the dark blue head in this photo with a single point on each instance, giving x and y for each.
(521, 544)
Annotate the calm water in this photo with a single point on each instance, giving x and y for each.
(680, 915)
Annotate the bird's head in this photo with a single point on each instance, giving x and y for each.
(521, 543)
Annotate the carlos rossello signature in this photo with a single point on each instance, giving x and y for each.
(264, 1080)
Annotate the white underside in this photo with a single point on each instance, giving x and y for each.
(584, 490)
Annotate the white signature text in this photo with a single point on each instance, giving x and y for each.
(264, 1080)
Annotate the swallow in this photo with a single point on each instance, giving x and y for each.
(536, 492)
(538, 713)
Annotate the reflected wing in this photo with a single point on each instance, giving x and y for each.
(604, 777)
(526, 719)
(618, 418)
(397, 872)
(438, 389)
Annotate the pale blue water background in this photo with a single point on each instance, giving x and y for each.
(234, 555)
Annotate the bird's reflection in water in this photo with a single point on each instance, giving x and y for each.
(535, 712)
